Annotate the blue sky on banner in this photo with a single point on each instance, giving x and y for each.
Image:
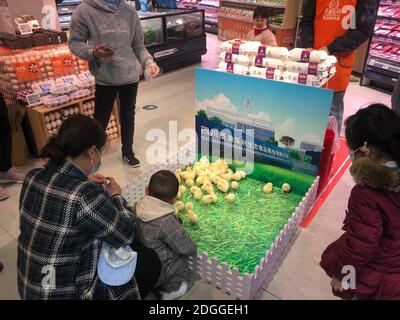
(295, 110)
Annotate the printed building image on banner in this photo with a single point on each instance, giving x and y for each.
(287, 124)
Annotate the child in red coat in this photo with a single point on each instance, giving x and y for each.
(364, 263)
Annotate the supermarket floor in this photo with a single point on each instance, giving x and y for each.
(297, 277)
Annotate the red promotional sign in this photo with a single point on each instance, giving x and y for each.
(27, 71)
(63, 64)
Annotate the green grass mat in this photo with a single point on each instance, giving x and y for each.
(240, 233)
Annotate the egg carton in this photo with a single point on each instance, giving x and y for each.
(53, 120)
(40, 64)
(51, 101)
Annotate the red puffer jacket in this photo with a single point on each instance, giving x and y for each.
(371, 242)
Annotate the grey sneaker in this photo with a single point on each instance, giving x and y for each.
(175, 294)
(11, 176)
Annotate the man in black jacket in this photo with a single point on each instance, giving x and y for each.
(338, 27)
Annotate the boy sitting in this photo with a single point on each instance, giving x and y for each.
(160, 229)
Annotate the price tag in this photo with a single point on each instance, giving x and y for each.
(25, 28)
(33, 99)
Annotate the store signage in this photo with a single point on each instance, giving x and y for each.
(165, 53)
(27, 71)
(63, 64)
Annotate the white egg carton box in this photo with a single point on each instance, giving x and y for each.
(218, 274)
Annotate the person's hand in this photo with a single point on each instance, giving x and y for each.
(97, 178)
(336, 285)
(325, 49)
(153, 69)
(113, 188)
(102, 51)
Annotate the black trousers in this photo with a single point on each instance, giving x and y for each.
(104, 102)
(5, 137)
(148, 268)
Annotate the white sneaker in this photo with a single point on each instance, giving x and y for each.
(175, 294)
(12, 176)
(3, 194)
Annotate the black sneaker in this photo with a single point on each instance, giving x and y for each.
(131, 160)
(1, 267)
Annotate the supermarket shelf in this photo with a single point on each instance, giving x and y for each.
(211, 22)
(208, 6)
(386, 39)
(384, 66)
(234, 18)
(389, 3)
(261, 4)
(390, 60)
(388, 19)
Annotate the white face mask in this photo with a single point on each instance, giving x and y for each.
(95, 169)
(352, 153)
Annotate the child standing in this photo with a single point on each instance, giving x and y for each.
(261, 32)
(370, 245)
(160, 229)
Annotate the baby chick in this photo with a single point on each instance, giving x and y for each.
(230, 198)
(286, 187)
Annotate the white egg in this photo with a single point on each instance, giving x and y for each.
(50, 133)
(71, 111)
(15, 88)
(58, 122)
(76, 110)
(52, 117)
(12, 75)
(66, 113)
(48, 126)
(53, 124)
(49, 68)
(50, 74)
(115, 136)
(13, 61)
(55, 131)
(115, 130)
(57, 115)
(46, 119)
(14, 81)
(8, 62)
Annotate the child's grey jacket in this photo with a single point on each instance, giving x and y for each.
(158, 228)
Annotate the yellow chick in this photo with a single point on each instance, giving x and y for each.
(223, 186)
(268, 188)
(197, 195)
(182, 189)
(286, 187)
(235, 185)
(178, 177)
(214, 198)
(176, 211)
(190, 176)
(189, 206)
(209, 189)
(178, 172)
(189, 183)
(237, 176)
(183, 175)
(204, 160)
(227, 176)
(179, 205)
(200, 179)
(207, 199)
(206, 185)
(195, 189)
(230, 198)
(193, 218)
(179, 195)
(241, 173)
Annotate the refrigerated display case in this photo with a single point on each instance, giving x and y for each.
(382, 67)
(65, 9)
(211, 11)
(174, 37)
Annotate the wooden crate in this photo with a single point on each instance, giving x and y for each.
(38, 124)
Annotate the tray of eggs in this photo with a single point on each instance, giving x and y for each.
(53, 120)
(41, 69)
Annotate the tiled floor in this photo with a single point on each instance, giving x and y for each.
(297, 277)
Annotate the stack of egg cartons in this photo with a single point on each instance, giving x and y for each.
(252, 58)
(53, 120)
(19, 70)
(311, 68)
(111, 130)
